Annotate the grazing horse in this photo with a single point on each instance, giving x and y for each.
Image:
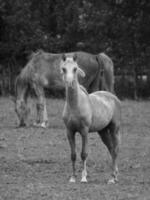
(96, 112)
(43, 71)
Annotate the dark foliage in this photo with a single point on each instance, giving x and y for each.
(119, 28)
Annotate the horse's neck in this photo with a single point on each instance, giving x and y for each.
(72, 95)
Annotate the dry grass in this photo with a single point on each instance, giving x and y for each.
(35, 163)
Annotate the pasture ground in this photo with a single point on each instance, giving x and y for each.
(35, 163)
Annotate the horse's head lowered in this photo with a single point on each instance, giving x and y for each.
(22, 111)
(70, 69)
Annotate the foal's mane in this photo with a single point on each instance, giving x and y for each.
(83, 89)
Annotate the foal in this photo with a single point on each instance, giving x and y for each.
(83, 113)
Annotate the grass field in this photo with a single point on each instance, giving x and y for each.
(35, 163)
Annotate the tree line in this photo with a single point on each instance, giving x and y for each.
(120, 28)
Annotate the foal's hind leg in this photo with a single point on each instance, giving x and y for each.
(84, 153)
(110, 137)
(114, 129)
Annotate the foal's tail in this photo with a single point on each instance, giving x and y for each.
(107, 71)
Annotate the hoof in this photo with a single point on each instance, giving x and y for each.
(83, 180)
(36, 124)
(72, 180)
(44, 125)
(112, 181)
(22, 125)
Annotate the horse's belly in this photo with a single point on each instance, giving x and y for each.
(102, 114)
(99, 122)
(55, 82)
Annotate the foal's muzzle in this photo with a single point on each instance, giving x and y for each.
(70, 83)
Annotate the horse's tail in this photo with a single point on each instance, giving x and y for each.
(107, 66)
(96, 82)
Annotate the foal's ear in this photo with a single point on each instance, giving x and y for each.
(81, 72)
(63, 57)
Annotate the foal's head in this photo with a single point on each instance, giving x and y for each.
(70, 69)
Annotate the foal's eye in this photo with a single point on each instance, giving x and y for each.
(64, 70)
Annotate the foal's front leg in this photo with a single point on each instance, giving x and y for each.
(71, 139)
(84, 154)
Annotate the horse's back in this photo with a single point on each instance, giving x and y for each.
(105, 99)
(86, 61)
(105, 96)
(44, 68)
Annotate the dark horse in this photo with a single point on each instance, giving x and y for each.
(43, 71)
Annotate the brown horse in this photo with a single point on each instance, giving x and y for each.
(43, 71)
